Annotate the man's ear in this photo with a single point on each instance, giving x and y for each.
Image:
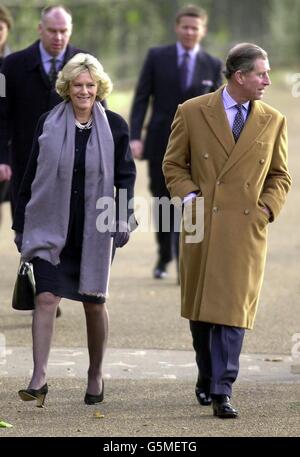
(239, 77)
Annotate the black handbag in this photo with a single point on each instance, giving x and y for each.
(24, 290)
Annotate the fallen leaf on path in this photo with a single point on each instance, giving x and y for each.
(5, 425)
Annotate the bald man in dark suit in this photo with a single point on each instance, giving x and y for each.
(30, 91)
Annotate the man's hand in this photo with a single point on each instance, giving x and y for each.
(267, 211)
(137, 148)
(5, 172)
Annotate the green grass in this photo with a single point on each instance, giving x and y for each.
(120, 102)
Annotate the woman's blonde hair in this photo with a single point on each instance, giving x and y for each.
(78, 64)
(6, 17)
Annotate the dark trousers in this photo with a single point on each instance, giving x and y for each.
(4, 191)
(167, 234)
(218, 349)
(167, 237)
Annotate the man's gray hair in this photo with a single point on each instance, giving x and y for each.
(48, 9)
(242, 57)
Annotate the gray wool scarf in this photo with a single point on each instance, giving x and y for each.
(47, 213)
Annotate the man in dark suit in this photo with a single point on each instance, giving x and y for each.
(170, 75)
(30, 79)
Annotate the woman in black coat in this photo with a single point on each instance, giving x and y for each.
(69, 216)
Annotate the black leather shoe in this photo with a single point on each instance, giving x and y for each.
(160, 271)
(222, 407)
(90, 399)
(58, 312)
(202, 397)
(35, 394)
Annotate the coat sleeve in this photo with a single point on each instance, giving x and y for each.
(278, 180)
(142, 96)
(24, 194)
(125, 174)
(176, 163)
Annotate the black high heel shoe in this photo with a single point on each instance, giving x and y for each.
(90, 399)
(35, 394)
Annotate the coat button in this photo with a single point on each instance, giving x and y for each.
(205, 156)
(246, 212)
(215, 209)
(219, 183)
(247, 185)
(262, 161)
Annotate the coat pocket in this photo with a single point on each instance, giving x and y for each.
(263, 218)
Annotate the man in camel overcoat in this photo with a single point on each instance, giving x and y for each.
(230, 148)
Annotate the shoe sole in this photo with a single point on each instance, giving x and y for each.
(26, 396)
(226, 416)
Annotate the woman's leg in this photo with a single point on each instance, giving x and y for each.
(97, 334)
(42, 331)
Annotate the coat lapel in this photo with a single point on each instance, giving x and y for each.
(202, 73)
(34, 61)
(216, 118)
(256, 123)
(171, 66)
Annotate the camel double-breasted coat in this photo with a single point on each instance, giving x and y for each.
(221, 276)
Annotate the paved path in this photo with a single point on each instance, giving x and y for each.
(144, 364)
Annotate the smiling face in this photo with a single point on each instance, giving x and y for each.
(254, 83)
(190, 31)
(82, 92)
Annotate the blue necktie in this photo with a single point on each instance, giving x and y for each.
(184, 71)
(238, 122)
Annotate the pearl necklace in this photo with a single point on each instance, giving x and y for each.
(86, 126)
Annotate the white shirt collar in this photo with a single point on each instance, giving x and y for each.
(192, 52)
(229, 102)
(46, 57)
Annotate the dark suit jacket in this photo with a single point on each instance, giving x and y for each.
(28, 96)
(159, 81)
(124, 176)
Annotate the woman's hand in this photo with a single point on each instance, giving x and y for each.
(122, 234)
(18, 240)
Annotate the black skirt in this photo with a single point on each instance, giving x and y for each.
(62, 280)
